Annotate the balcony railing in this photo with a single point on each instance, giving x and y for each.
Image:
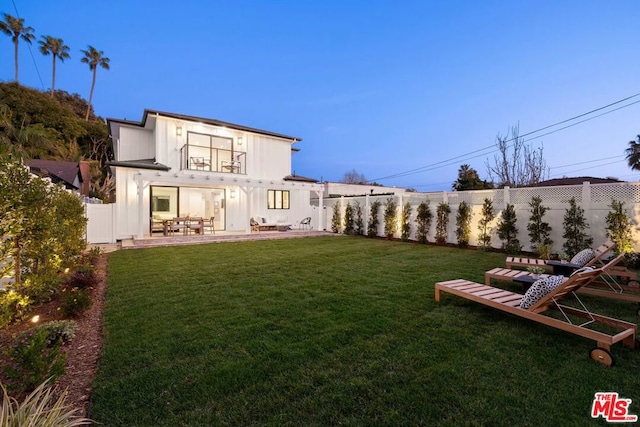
(209, 159)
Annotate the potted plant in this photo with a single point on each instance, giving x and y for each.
(535, 271)
(564, 258)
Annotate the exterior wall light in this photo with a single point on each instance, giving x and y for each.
(239, 140)
(179, 130)
(232, 193)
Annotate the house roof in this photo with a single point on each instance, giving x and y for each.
(575, 181)
(295, 177)
(140, 164)
(66, 172)
(149, 115)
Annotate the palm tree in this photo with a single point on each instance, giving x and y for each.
(94, 57)
(633, 154)
(15, 28)
(59, 50)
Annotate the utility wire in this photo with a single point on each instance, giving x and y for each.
(33, 59)
(447, 162)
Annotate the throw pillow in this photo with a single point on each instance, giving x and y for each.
(539, 289)
(583, 257)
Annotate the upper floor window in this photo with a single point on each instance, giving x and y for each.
(212, 153)
(278, 199)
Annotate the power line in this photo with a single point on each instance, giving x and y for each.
(33, 59)
(493, 148)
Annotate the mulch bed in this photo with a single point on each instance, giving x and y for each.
(83, 352)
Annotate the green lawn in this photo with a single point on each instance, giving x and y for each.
(335, 330)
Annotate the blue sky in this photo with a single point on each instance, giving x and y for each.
(382, 87)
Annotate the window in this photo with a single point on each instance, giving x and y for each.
(277, 199)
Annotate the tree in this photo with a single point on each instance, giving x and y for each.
(94, 58)
(353, 177)
(463, 224)
(14, 27)
(372, 225)
(58, 50)
(633, 154)
(348, 219)
(517, 164)
(335, 218)
(575, 224)
(405, 228)
(468, 179)
(390, 220)
(538, 229)
(423, 219)
(619, 228)
(487, 215)
(507, 230)
(359, 220)
(442, 221)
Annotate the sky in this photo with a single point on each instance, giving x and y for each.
(403, 92)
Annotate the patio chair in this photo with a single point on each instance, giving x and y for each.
(305, 223)
(207, 224)
(255, 225)
(598, 254)
(551, 296)
(605, 285)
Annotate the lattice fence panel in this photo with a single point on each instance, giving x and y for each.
(604, 193)
(549, 195)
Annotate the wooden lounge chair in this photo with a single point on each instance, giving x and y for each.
(523, 263)
(510, 302)
(605, 285)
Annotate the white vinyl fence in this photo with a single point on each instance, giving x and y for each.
(595, 199)
(101, 226)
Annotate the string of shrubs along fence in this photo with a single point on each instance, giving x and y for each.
(501, 229)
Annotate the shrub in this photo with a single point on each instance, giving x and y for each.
(390, 214)
(405, 228)
(619, 228)
(507, 230)
(372, 226)
(12, 306)
(487, 215)
(348, 219)
(423, 219)
(359, 221)
(32, 360)
(335, 219)
(93, 255)
(575, 225)
(442, 221)
(538, 229)
(63, 330)
(463, 224)
(84, 277)
(40, 408)
(40, 288)
(74, 301)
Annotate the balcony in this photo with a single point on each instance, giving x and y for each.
(210, 159)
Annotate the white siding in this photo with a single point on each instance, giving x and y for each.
(136, 144)
(268, 158)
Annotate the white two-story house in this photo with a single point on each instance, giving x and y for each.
(172, 165)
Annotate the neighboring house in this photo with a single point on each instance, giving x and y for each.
(170, 165)
(333, 189)
(73, 175)
(576, 181)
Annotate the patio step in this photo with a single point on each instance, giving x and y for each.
(148, 242)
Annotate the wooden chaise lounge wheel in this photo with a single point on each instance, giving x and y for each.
(633, 284)
(602, 356)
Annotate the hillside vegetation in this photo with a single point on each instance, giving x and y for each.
(34, 125)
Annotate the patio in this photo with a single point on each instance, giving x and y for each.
(218, 237)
